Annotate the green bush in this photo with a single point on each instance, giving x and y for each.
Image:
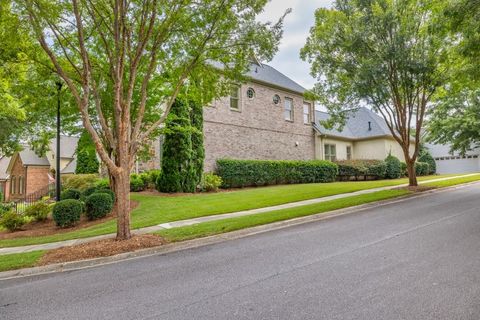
(426, 157)
(6, 207)
(348, 169)
(210, 182)
(71, 194)
(38, 211)
(89, 191)
(403, 168)
(394, 167)
(87, 161)
(79, 181)
(422, 168)
(107, 191)
(12, 221)
(66, 213)
(153, 176)
(98, 205)
(102, 184)
(136, 183)
(244, 173)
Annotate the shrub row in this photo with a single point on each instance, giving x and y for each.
(245, 173)
(366, 169)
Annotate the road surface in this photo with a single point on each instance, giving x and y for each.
(417, 259)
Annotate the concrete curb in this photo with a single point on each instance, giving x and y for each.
(200, 242)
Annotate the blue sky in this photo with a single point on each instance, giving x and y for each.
(296, 30)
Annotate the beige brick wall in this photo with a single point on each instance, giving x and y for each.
(259, 129)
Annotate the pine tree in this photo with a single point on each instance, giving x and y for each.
(198, 150)
(87, 161)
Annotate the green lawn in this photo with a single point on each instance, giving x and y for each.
(19, 260)
(154, 209)
(226, 225)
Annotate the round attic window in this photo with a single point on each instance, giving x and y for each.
(276, 99)
(250, 93)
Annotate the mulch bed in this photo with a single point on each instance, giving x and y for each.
(100, 248)
(417, 188)
(38, 229)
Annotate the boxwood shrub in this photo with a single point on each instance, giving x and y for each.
(394, 167)
(71, 194)
(98, 205)
(245, 173)
(364, 169)
(66, 213)
(107, 191)
(422, 168)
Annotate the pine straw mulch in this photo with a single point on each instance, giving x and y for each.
(46, 228)
(100, 248)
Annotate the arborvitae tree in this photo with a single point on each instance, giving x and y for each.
(87, 161)
(198, 150)
(177, 149)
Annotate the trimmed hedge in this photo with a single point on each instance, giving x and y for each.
(394, 167)
(348, 169)
(245, 173)
(66, 213)
(98, 205)
(422, 168)
(71, 194)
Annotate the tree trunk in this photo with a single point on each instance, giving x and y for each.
(121, 187)
(412, 175)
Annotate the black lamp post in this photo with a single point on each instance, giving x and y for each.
(57, 156)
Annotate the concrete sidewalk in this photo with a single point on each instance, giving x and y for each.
(189, 222)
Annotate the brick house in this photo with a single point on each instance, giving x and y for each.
(26, 173)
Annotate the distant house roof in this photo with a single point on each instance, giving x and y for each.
(30, 158)
(4, 161)
(266, 74)
(356, 126)
(70, 167)
(68, 146)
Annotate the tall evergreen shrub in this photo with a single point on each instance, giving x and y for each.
(198, 150)
(87, 161)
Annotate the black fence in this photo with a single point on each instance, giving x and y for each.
(29, 199)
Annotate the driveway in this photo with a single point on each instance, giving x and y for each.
(416, 259)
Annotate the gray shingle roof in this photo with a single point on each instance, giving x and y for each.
(68, 145)
(356, 126)
(29, 158)
(269, 75)
(71, 166)
(4, 161)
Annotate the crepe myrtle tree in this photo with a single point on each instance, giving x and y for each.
(125, 62)
(387, 54)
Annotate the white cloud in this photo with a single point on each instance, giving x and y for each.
(296, 30)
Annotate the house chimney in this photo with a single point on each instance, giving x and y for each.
(369, 126)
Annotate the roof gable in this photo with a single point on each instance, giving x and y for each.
(68, 146)
(360, 124)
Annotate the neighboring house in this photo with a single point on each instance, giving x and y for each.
(4, 161)
(26, 173)
(448, 162)
(365, 135)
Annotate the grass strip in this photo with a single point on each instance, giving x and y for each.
(453, 182)
(19, 260)
(226, 225)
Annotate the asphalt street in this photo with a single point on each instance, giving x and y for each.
(416, 259)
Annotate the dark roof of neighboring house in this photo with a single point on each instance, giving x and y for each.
(68, 145)
(269, 75)
(356, 126)
(70, 167)
(4, 161)
(30, 158)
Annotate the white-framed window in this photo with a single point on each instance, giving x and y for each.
(330, 152)
(235, 97)
(21, 184)
(289, 109)
(349, 152)
(250, 93)
(306, 113)
(276, 99)
(12, 185)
